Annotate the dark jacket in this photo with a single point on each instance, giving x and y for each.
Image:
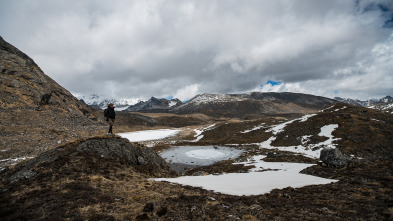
(111, 113)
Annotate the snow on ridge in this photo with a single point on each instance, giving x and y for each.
(172, 103)
(279, 128)
(95, 99)
(340, 109)
(199, 132)
(254, 128)
(207, 98)
(16, 159)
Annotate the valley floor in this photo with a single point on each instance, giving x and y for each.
(94, 188)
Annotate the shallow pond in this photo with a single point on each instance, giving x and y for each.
(182, 157)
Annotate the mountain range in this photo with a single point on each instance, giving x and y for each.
(367, 103)
(246, 103)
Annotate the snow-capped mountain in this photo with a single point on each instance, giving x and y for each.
(155, 104)
(99, 102)
(240, 105)
(367, 103)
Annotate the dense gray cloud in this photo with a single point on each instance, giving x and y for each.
(138, 49)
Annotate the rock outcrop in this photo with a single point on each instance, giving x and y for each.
(116, 149)
(333, 158)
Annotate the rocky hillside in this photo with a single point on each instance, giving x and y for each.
(243, 105)
(36, 113)
(25, 86)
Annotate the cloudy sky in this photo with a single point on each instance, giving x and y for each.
(180, 48)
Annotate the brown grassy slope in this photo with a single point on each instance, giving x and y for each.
(36, 113)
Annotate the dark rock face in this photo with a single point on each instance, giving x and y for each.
(121, 148)
(45, 99)
(334, 158)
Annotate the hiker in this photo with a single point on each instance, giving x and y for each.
(110, 117)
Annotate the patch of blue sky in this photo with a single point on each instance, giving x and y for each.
(271, 82)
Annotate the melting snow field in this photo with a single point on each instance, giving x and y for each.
(265, 177)
(258, 180)
(254, 182)
(313, 150)
(147, 135)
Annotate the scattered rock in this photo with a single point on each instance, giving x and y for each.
(334, 158)
(255, 207)
(141, 160)
(249, 217)
(225, 206)
(274, 154)
(143, 217)
(45, 99)
(211, 198)
(200, 173)
(149, 207)
(233, 217)
(162, 211)
(23, 174)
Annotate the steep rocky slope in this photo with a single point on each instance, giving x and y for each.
(36, 113)
(25, 86)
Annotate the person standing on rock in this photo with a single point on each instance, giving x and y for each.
(110, 115)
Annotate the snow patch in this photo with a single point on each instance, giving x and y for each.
(255, 128)
(198, 132)
(147, 135)
(16, 159)
(279, 128)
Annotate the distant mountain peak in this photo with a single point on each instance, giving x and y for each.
(155, 104)
(366, 103)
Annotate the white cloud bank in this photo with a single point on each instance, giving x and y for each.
(164, 48)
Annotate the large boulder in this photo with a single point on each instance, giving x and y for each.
(100, 149)
(334, 158)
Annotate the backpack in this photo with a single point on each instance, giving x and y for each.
(106, 113)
